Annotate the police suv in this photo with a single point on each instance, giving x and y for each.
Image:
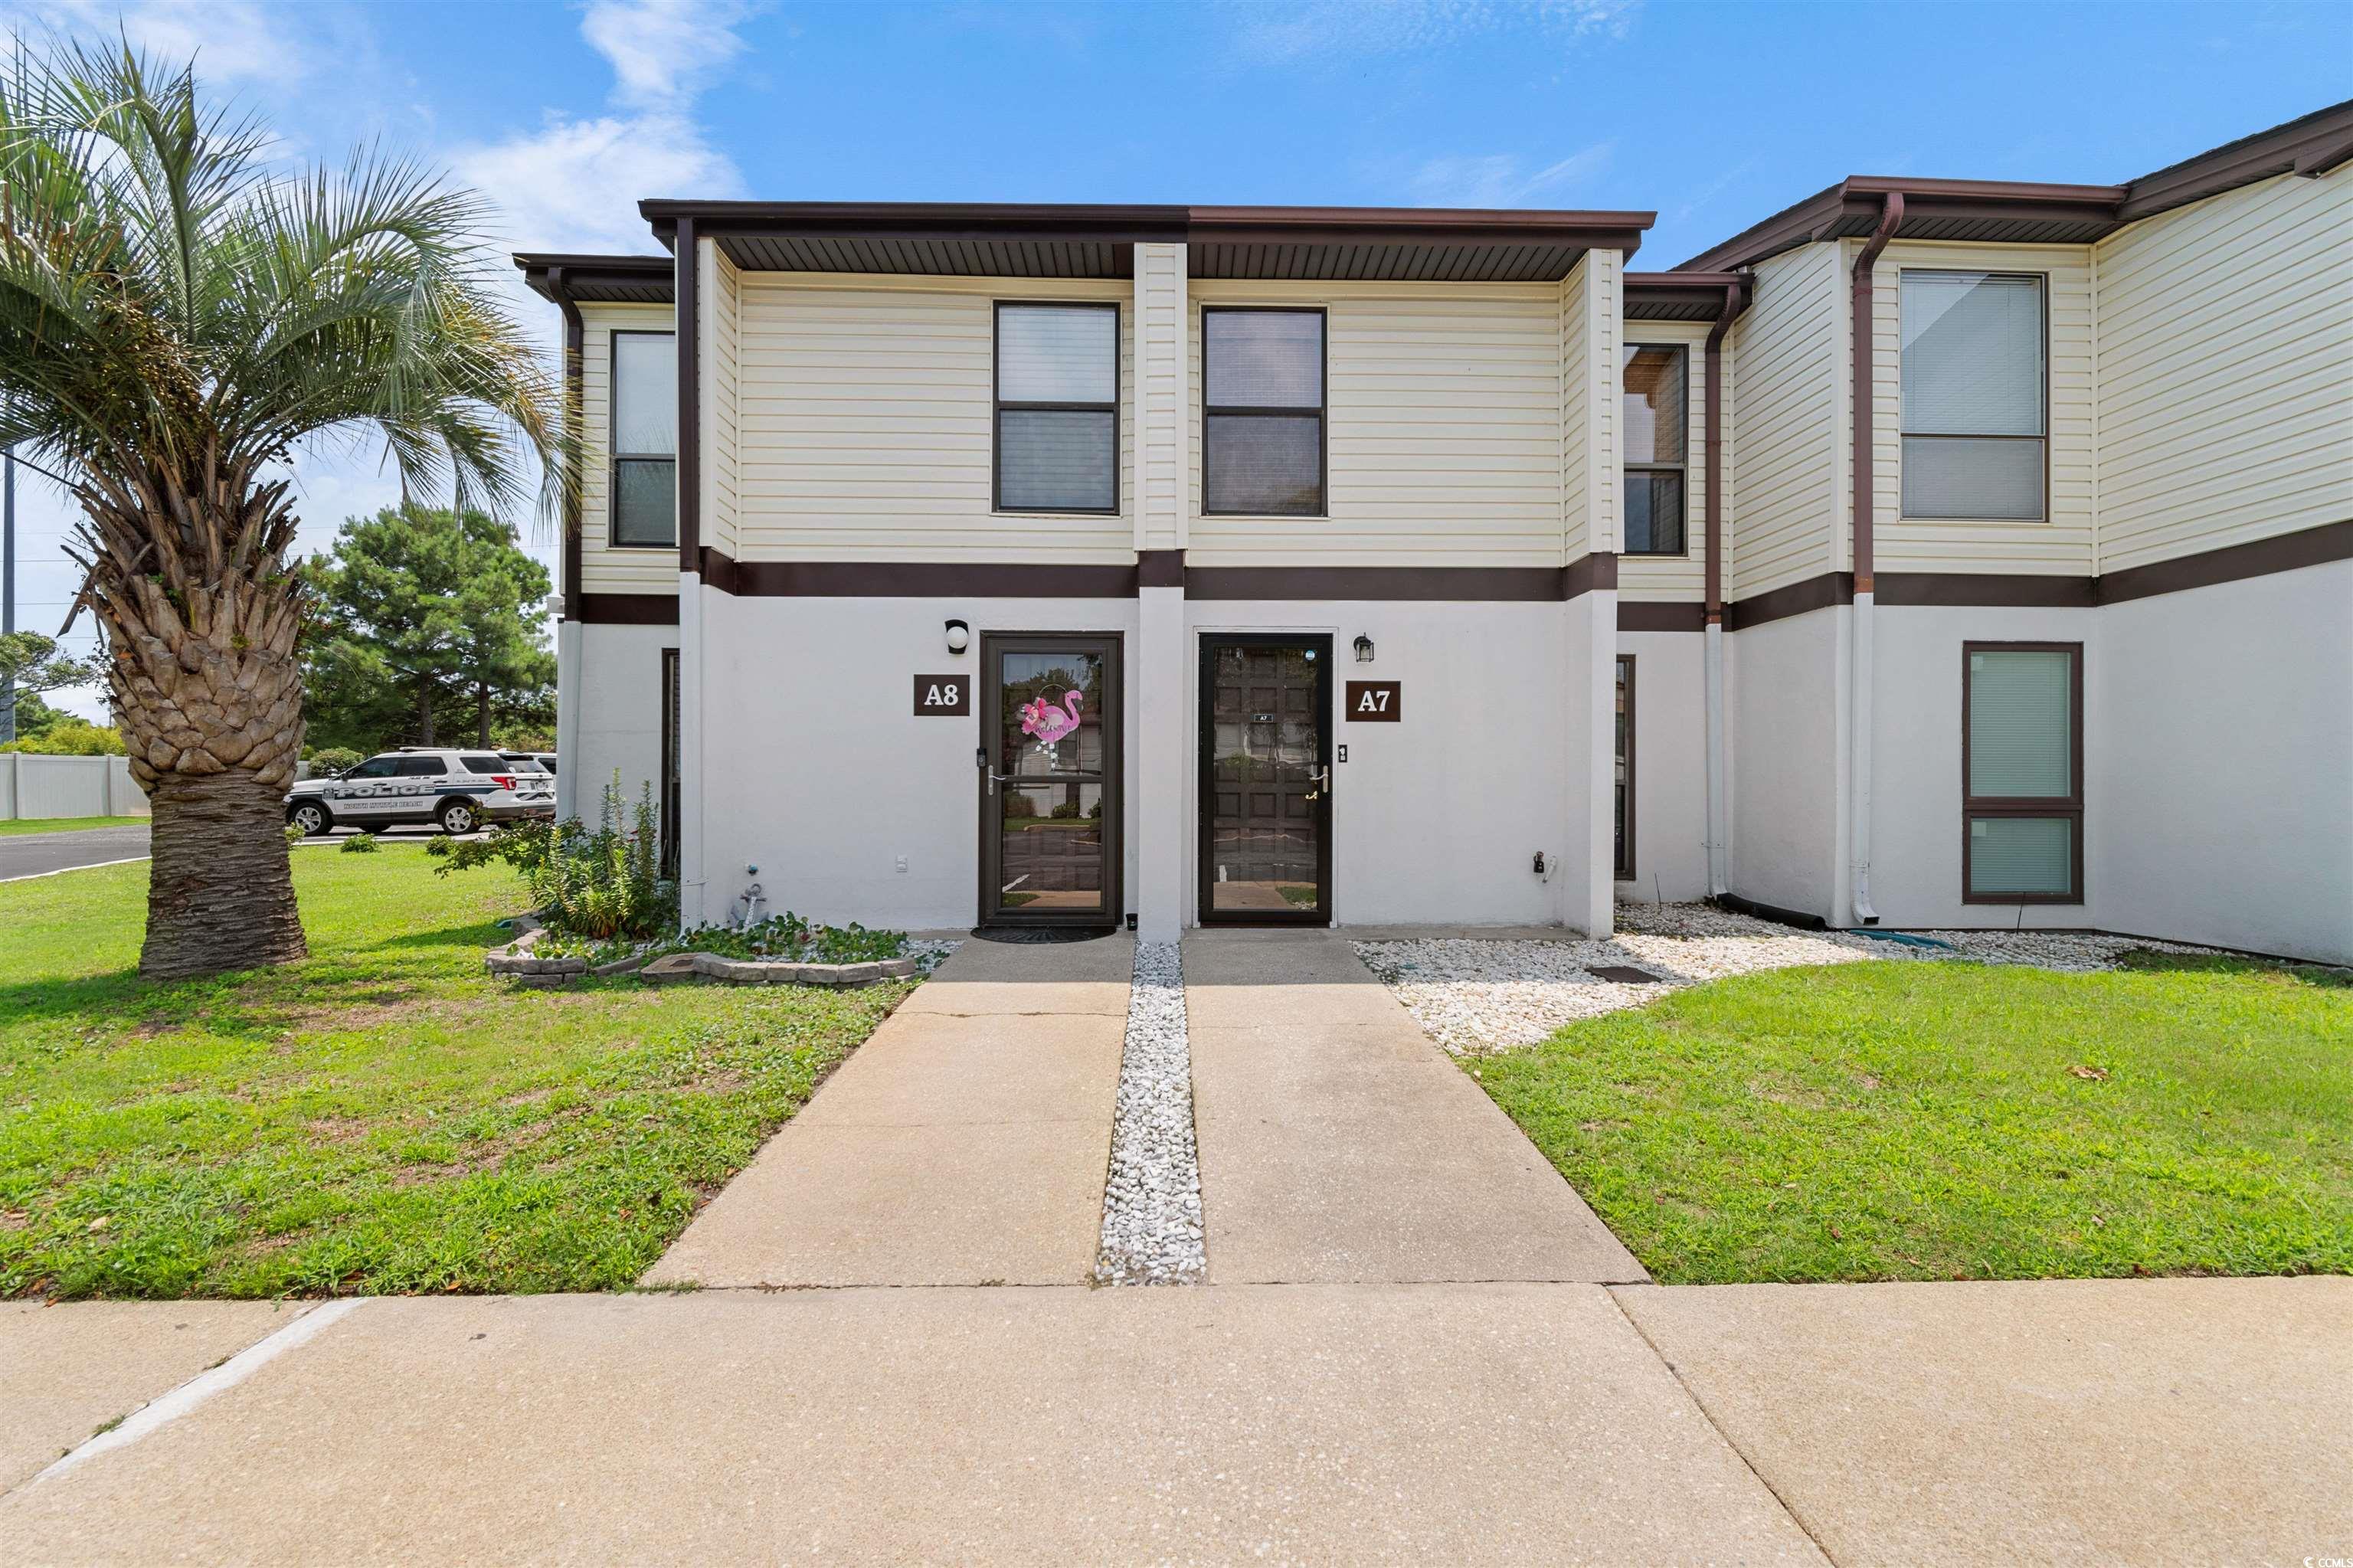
(460, 791)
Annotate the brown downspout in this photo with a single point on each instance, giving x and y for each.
(576, 338)
(1860, 729)
(1891, 215)
(1735, 296)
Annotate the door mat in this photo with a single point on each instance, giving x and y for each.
(1042, 934)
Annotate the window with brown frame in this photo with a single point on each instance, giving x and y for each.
(1056, 407)
(2022, 772)
(1624, 794)
(1974, 400)
(1654, 391)
(644, 441)
(1262, 398)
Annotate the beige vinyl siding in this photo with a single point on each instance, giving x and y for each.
(2059, 544)
(1443, 422)
(1576, 415)
(1789, 424)
(1605, 480)
(604, 569)
(1161, 315)
(865, 422)
(1680, 577)
(2226, 365)
(721, 282)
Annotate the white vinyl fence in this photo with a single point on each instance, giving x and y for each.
(33, 786)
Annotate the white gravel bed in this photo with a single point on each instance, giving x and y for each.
(1152, 1196)
(1472, 995)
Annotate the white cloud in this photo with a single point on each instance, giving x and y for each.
(1276, 34)
(662, 51)
(1502, 179)
(230, 40)
(575, 184)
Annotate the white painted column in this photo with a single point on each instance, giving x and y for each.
(568, 700)
(1163, 720)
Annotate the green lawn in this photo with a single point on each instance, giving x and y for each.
(15, 826)
(1939, 1120)
(381, 1118)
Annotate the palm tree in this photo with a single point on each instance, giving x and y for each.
(177, 315)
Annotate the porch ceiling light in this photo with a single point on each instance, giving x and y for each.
(959, 637)
(1363, 649)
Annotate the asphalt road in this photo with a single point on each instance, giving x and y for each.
(30, 855)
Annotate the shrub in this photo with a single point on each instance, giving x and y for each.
(70, 738)
(597, 885)
(334, 760)
(359, 844)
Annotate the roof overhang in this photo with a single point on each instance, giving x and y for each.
(1083, 241)
(600, 279)
(2019, 213)
(1682, 296)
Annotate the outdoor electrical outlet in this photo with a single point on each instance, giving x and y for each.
(1539, 866)
(903, 863)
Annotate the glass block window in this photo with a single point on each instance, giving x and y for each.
(1057, 407)
(1655, 393)
(644, 439)
(1263, 412)
(1973, 396)
(2022, 771)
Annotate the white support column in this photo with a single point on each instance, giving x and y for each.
(1164, 729)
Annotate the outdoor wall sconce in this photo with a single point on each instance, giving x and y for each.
(1363, 649)
(959, 637)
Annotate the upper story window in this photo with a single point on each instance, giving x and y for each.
(645, 439)
(1057, 407)
(1974, 400)
(1655, 394)
(1262, 379)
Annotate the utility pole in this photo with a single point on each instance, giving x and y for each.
(8, 583)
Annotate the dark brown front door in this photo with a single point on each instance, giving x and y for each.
(1266, 780)
(1049, 782)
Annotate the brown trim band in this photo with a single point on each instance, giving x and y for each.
(914, 579)
(1160, 568)
(1653, 615)
(2256, 558)
(1985, 590)
(1794, 598)
(628, 609)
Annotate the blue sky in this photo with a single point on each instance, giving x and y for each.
(1712, 115)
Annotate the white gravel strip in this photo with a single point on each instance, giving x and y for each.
(1152, 1197)
(1472, 995)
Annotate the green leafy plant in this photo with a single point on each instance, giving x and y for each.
(332, 760)
(358, 843)
(597, 886)
(787, 937)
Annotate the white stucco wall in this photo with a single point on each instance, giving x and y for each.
(613, 720)
(817, 770)
(1438, 819)
(1670, 765)
(2221, 767)
(1915, 861)
(1785, 685)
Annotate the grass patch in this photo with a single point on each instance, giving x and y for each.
(1942, 1120)
(381, 1118)
(20, 827)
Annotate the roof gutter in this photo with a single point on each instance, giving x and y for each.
(1736, 300)
(1891, 218)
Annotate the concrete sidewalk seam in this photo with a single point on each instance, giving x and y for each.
(1716, 1427)
(161, 1411)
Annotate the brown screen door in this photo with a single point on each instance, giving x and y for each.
(1266, 791)
(1049, 780)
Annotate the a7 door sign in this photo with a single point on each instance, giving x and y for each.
(1374, 702)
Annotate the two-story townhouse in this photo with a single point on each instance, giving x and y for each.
(1068, 564)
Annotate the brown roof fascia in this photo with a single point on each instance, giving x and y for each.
(2311, 145)
(1133, 225)
(583, 271)
(1853, 205)
(1680, 296)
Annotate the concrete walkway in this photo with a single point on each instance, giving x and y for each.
(1338, 1144)
(1410, 1350)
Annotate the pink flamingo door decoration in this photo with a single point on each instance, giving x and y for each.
(1049, 724)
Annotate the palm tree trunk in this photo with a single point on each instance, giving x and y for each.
(220, 889)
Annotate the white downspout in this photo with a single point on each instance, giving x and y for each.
(1860, 734)
(1717, 829)
(1735, 297)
